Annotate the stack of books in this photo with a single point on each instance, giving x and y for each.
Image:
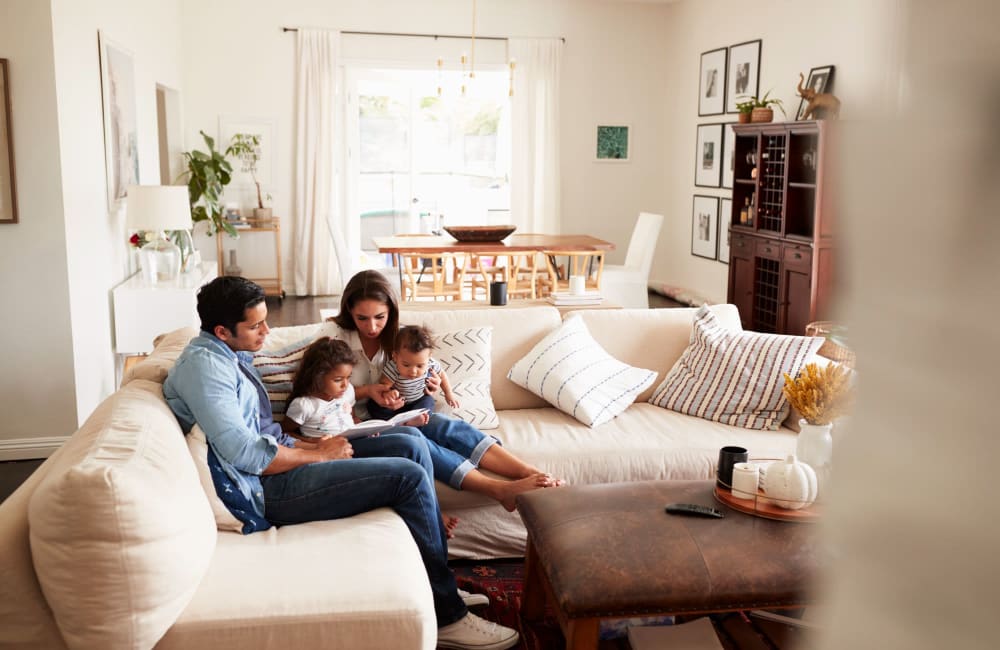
(566, 299)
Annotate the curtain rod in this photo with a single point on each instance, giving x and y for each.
(415, 35)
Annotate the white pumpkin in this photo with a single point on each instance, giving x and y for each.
(790, 484)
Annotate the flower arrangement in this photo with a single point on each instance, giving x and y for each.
(141, 238)
(820, 394)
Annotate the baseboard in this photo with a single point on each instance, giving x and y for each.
(29, 448)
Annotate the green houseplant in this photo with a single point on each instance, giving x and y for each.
(753, 109)
(245, 147)
(207, 176)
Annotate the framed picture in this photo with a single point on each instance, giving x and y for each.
(121, 135)
(247, 172)
(728, 155)
(744, 77)
(712, 88)
(725, 215)
(8, 183)
(612, 143)
(820, 80)
(708, 156)
(705, 226)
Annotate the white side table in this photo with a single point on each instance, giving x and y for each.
(143, 311)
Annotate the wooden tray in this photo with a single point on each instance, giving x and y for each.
(762, 507)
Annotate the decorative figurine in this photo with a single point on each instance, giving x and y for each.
(821, 105)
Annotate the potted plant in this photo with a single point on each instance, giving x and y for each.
(246, 148)
(207, 176)
(759, 110)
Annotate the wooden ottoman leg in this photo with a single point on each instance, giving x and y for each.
(533, 597)
(582, 633)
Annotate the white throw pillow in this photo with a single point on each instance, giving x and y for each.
(465, 357)
(198, 446)
(281, 356)
(571, 371)
(734, 377)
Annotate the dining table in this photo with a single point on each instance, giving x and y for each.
(396, 245)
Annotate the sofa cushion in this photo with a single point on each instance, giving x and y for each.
(281, 356)
(349, 584)
(121, 538)
(465, 356)
(198, 446)
(166, 348)
(734, 377)
(571, 371)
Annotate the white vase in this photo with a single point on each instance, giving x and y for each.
(815, 448)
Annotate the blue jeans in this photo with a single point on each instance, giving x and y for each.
(392, 470)
(456, 448)
(379, 412)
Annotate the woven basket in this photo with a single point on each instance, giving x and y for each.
(761, 115)
(830, 348)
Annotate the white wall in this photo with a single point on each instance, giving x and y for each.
(797, 35)
(37, 387)
(61, 262)
(614, 61)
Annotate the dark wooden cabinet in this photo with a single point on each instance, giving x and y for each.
(781, 235)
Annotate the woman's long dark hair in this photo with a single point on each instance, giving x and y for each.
(322, 356)
(370, 285)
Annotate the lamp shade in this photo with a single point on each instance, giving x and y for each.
(157, 207)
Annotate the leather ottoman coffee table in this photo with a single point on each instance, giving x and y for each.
(610, 551)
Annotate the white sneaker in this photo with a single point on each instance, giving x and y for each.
(473, 600)
(474, 633)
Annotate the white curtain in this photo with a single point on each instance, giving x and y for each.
(535, 175)
(319, 244)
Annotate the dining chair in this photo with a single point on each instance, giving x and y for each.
(480, 270)
(589, 264)
(628, 284)
(527, 276)
(437, 275)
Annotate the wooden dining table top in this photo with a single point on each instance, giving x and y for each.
(513, 244)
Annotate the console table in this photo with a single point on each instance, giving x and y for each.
(271, 286)
(144, 310)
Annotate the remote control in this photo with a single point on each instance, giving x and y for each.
(693, 510)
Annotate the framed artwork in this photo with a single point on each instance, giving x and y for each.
(121, 135)
(612, 143)
(744, 73)
(705, 226)
(728, 155)
(708, 156)
(820, 80)
(8, 184)
(247, 172)
(712, 88)
(725, 215)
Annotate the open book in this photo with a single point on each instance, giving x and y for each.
(371, 427)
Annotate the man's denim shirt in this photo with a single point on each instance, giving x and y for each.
(221, 391)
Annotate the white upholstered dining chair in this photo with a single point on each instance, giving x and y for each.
(628, 284)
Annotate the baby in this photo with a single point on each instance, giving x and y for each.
(407, 373)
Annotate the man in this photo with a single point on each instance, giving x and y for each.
(268, 478)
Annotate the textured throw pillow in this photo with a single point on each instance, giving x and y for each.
(281, 356)
(198, 446)
(572, 372)
(734, 377)
(465, 357)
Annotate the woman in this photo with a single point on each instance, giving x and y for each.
(369, 319)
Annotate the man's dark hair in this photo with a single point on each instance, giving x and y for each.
(225, 300)
(322, 356)
(413, 338)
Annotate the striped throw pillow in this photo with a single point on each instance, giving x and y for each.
(572, 372)
(464, 356)
(734, 377)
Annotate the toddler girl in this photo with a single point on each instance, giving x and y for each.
(408, 370)
(322, 397)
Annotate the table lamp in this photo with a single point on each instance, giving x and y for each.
(158, 208)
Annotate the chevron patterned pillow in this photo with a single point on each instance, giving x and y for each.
(465, 356)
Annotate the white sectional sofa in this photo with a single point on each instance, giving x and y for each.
(112, 543)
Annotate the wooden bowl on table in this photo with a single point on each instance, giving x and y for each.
(480, 233)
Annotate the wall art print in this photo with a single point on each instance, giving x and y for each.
(712, 87)
(744, 73)
(121, 134)
(705, 226)
(708, 156)
(612, 143)
(725, 215)
(8, 182)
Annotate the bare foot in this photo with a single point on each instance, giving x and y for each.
(510, 489)
(450, 523)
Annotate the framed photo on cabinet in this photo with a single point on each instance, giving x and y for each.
(744, 73)
(712, 87)
(820, 80)
(708, 156)
(728, 155)
(725, 215)
(705, 226)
